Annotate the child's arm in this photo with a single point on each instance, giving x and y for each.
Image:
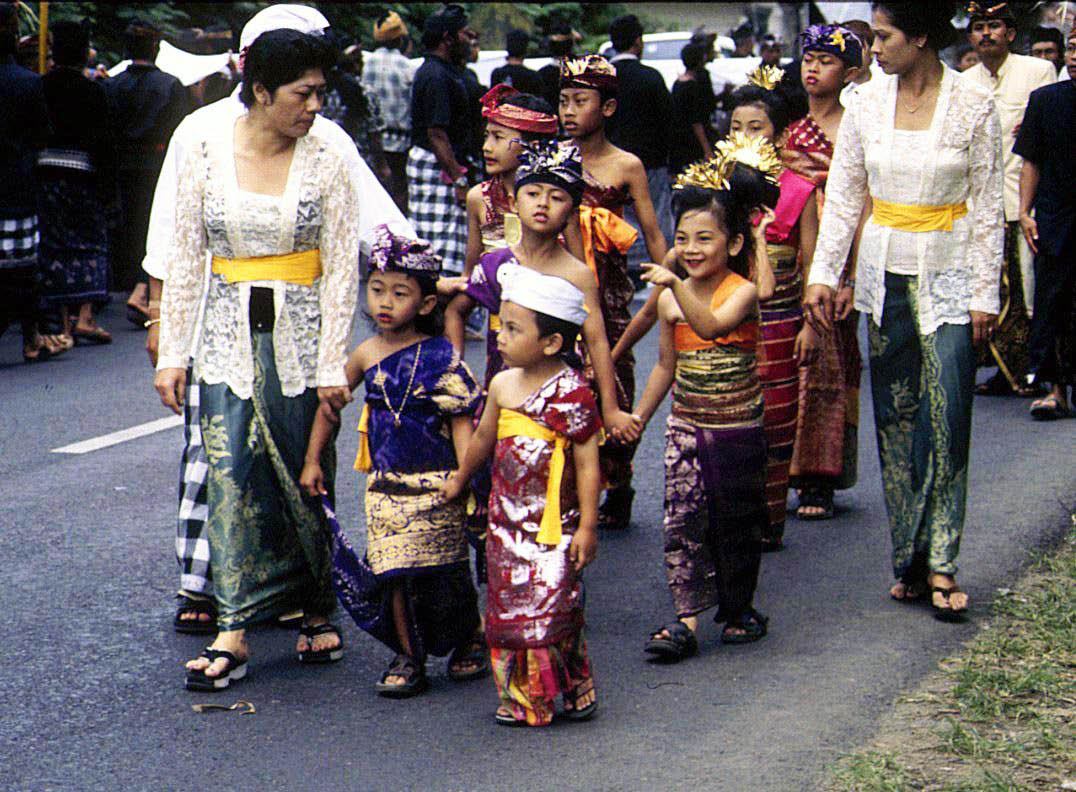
(661, 377)
(707, 324)
(456, 313)
(584, 545)
(765, 280)
(617, 422)
(474, 230)
(635, 178)
(326, 423)
(462, 428)
(808, 233)
(480, 446)
(641, 323)
(573, 236)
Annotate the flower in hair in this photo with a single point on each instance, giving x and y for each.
(766, 77)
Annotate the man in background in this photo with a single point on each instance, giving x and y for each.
(769, 49)
(561, 45)
(743, 38)
(387, 77)
(1048, 44)
(513, 72)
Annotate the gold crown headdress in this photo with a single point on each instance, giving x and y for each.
(590, 71)
(755, 152)
(711, 174)
(766, 77)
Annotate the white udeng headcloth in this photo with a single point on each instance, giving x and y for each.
(546, 294)
(283, 15)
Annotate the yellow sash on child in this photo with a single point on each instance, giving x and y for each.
(363, 462)
(302, 268)
(516, 424)
(915, 217)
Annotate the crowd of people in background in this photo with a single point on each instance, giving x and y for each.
(862, 176)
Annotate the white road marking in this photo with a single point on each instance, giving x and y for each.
(122, 436)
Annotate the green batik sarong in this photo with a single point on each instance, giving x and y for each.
(922, 387)
(269, 545)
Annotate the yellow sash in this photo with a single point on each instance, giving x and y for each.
(363, 462)
(912, 217)
(516, 424)
(302, 268)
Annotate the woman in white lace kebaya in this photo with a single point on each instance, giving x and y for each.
(277, 208)
(927, 151)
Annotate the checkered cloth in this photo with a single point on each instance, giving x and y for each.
(387, 75)
(19, 239)
(192, 547)
(436, 216)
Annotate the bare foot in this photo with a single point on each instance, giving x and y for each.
(907, 591)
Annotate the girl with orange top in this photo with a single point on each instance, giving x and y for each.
(715, 446)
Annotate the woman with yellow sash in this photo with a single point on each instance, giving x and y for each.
(926, 148)
(276, 208)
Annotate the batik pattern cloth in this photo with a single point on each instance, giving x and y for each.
(715, 467)
(534, 606)
(827, 429)
(435, 214)
(782, 319)
(73, 257)
(922, 385)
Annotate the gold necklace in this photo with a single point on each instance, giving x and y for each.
(380, 378)
(915, 108)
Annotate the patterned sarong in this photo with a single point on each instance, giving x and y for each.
(436, 216)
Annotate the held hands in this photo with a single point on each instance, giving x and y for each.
(819, 304)
(982, 326)
(336, 397)
(312, 479)
(623, 426)
(583, 548)
(659, 276)
(171, 384)
(452, 487)
(844, 303)
(806, 346)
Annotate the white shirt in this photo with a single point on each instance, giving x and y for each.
(1017, 77)
(959, 160)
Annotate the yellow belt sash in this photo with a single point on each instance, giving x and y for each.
(302, 268)
(515, 424)
(363, 461)
(913, 217)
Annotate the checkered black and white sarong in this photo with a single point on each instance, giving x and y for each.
(19, 239)
(436, 216)
(192, 547)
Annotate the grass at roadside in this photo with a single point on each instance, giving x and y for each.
(998, 717)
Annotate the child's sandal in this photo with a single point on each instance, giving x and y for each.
(412, 673)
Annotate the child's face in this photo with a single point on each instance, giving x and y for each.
(751, 120)
(543, 208)
(823, 74)
(394, 299)
(702, 244)
(582, 111)
(499, 150)
(519, 341)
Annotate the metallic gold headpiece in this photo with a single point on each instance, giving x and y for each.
(590, 71)
(766, 77)
(711, 174)
(755, 152)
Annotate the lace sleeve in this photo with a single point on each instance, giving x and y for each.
(339, 246)
(846, 192)
(986, 247)
(186, 273)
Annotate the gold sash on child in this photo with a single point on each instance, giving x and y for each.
(516, 424)
(301, 268)
(914, 217)
(363, 462)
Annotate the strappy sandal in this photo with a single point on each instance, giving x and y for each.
(949, 613)
(680, 643)
(473, 653)
(233, 672)
(573, 713)
(311, 655)
(753, 624)
(504, 718)
(188, 606)
(815, 498)
(1048, 408)
(413, 674)
(95, 335)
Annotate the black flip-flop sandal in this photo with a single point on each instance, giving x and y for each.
(680, 644)
(949, 614)
(321, 655)
(473, 653)
(511, 721)
(573, 713)
(188, 605)
(817, 498)
(753, 624)
(235, 670)
(413, 674)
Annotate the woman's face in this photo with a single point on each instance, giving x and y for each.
(752, 120)
(823, 74)
(499, 151)
(292, 107)
(894, 52)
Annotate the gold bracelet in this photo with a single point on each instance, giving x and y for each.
(151, 322)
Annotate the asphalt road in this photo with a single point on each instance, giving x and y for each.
(91, 693)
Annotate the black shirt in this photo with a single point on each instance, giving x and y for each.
(1048, 139)
(147, 106)
(79, 117)
(519, 77)
(439, 98)
(690, 105)
(549, 80)
(641, 121)
(24, 125)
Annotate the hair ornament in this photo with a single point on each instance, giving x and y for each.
(766, 77)
(754, 152)
(590, 71)
(711, 174)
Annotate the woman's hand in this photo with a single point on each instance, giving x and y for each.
(818, 302)
(659, 276)
(583, 548)
(982, 326)
(312, 479)
(335, 398)
(171, 385)
(806, 346)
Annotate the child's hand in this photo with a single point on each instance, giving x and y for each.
(766, 216)
(659, 276)
(452, 487)
(622, 426)
(448, 287)
(807, 345)
(584, 547)
(312, 480)
(844, 302)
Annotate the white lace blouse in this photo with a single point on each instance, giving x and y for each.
(318, 210)
(958, 159)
